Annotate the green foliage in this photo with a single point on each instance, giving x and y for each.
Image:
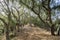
(28, 9)
(36, 21)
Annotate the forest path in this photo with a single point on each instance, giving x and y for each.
(35, 33)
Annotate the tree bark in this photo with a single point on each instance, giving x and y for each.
(58, 31)
(52, 30)
(50, 21)
(7, 33)
(49, 17)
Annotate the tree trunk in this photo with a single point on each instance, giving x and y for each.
(51, 24)
(15, 30)
(18, 28)
(49, 18)
(52, 30)
(58, 31)
(7, 33)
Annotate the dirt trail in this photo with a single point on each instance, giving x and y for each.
(35, 33)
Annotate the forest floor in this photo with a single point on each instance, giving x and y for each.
(34, 33)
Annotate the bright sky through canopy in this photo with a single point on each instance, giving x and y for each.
(1, 0)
